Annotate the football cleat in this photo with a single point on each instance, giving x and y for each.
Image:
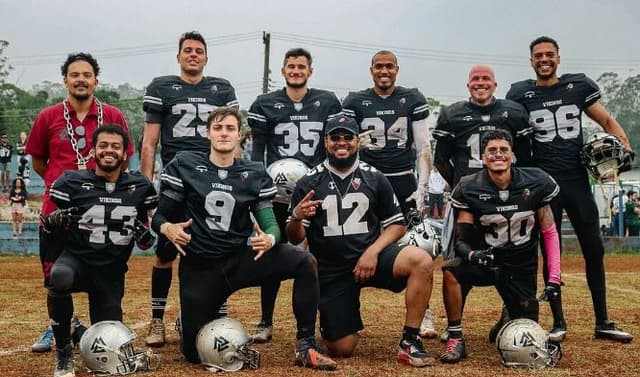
(504, 318)
(411, 352)
(44, 343)
(64, 362)
(455, 351)
(558, 332)
(609, 330)
(156, 336)
(427, 329)
(263, 333)
(310, 355)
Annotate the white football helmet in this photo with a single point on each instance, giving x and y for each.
(602, 155)
(523, 343)
(423, 233)
(285, 173)
(223, 345)
(107, 348)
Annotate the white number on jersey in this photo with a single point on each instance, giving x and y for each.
(310, 133)
(565, 122)
(219, 205)
(516, 230)
(94, 221)
(189, 112)
(473, 142)
(397, 131)
(354, 200)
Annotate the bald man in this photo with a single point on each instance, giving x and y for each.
(459, 133)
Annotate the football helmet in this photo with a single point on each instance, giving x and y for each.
(602, 155)
(107, 348)
(423, 233)
(223, 345)
(285, 173)
(523, 343)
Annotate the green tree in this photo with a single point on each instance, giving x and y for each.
(620, 97)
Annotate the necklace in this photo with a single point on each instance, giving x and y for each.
(342, 194)
(81, 161)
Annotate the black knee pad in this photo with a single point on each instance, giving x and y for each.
(62, 278)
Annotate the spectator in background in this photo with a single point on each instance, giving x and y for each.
(6, 150)
(632, 214)
(18, 199)
(21, 146)
(24, 171)
(615, 217)
(437, 187)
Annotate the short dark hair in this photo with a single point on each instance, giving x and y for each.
(196, 36)
(543, 39)
(384, 52)
(221, 112)
(295, 52)
(80, 57)
(111, 129)
(496, 135)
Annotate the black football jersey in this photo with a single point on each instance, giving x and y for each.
(507, 218)
(104, 232)
(219, 200)
(355, 207)
(291, 129)
(182, 110)
(462, 125)
(555, 113)
(390, 118)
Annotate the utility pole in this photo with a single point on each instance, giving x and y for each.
(266, 39)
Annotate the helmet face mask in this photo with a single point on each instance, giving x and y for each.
(523, 343)
(602, 155)
(107, 348)
(422, 233)
(223, 345)
(285, 173)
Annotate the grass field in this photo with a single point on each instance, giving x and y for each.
(23, 313)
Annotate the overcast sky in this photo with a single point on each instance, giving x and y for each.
(436, 41)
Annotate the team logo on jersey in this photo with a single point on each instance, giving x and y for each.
(223, 174)
(366, 103)
(201, 168)
(505, 114)
(332, 186)
(110, 187)
(87, 186)
(214, 89)
(569, 87)
(484, 197)
(485, 118)
(526, 194)
(356, 183)
(278, 105)
(402, 101)
(316, 105)
(298, 106)
(131, 189)
(468, 118)
(503, 195)
(176, 87)
(529, 94)
(244, 176)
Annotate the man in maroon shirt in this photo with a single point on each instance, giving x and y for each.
(60, 139)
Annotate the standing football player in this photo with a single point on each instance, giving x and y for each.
(459, 132)
(60, 139)
(351, 218)
(219, 192)
(556, 105)
(396, 118)
(101, 213)
(289, 123)
(501, 212)
(177, 108)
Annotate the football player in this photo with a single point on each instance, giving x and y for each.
(289, 123)
(459, 132)
(556, 105)
(501, 211)
(396, 119)
(219, 255)
(177, 108)
(102, 212)
(351, 218)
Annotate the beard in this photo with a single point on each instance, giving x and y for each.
(297, 86)
(81, 97)
(110, 168)
(342, 163)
